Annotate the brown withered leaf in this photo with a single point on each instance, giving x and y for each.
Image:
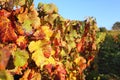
(5, 52)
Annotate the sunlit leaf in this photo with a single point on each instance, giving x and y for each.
(33, 16)
(6, 30)
(27, 26)
(20, 57)
(79, 46)
(19, 29)
(21, 42)
(79, 60)
(49, 8)
(63, 53)
(51, 60)
(51, 18)
(47, 31)
(23, 16)
(34, 46)
(19, 2)
(38, 57)
(39, 34)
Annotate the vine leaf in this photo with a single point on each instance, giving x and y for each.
(37, 48)
(20, 57)
(31, 75)
(23, 18)
(29, 20)
(47, 31)
(21, 42)
(7, 32)
(5, 52)
(81, 62)
(33, 16)
(51, 18)
(19, 2)
(61, 72)
(79, 46)
(4, 57)
(37, 54)
(27, 26)
(48, 8)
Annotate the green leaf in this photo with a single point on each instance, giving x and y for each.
(33, 17)
(20, 57)
(72, 44)
(27, 26)
(51, 18)
(19, 2)
(4, 75)
(50, 8)
(74, 33)
(63, 53)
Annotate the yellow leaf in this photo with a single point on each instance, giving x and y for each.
(47, 31)
(51, 60)
(38, 57)
(52, 52)
(37, 50)
(33, 16)
(22, 17)
(80, 60)
(34, 45)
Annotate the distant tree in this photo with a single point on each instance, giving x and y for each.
(103, 29)
(116, 26)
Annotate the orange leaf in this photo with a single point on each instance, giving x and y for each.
(21, 42)
(79, 46)
(4, 13)
(6, 30)
(94, 46)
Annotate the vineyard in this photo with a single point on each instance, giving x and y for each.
(106, 64)
(39, 44)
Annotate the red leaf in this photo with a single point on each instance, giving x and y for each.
(79, 46)
(47, 54)
(90, 58)
(57, 42)
(61, 72)
(6, 30)
(49, 68)
(4, 13)
(57, 51)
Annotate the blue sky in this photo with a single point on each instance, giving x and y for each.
(106, 12)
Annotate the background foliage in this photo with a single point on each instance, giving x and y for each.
(106, 64)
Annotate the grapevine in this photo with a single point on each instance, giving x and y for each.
(39, 44)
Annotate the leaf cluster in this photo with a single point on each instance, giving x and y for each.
(41, 44)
